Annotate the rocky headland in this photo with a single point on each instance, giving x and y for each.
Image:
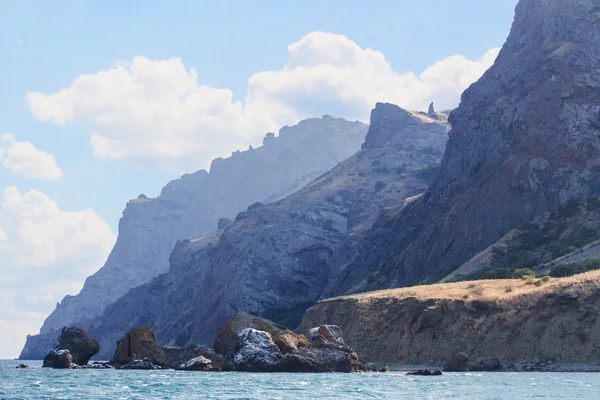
(513, 324)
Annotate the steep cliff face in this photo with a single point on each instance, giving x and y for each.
(274, 260)
(191, 206)
(508, 319)
(525, 139)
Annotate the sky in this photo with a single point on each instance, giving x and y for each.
(101, 101)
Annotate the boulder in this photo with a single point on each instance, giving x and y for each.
(181, 355)
(138, 349)
(490, 364)
(59, 359)
(24, 366)
(227, 340)
(331, 333)
(78, 343)
(425, 372)
(385, 368)
(199, 363)
(459, 362)
(332, 358)
(145, 363)
(256, 352)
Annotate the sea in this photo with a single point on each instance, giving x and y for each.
(44, 383)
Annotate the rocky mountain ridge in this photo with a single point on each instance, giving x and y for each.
(191, 206)
(525, 140)
(275, 260)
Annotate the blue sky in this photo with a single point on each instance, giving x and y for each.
(209, 78)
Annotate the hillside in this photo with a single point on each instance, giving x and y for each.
(518, 321)
(565, 237)
(525, 140)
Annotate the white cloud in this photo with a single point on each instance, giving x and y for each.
(22, 158)
(45, 253)
(154, 113)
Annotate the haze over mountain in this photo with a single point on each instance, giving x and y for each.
(191, 206)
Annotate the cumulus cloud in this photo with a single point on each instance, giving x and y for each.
(154, 112)
(45, 253)
(22, 158)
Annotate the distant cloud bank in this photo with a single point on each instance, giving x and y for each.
(154, 113)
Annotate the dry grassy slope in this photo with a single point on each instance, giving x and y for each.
(509, 319)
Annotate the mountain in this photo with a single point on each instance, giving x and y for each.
(274, 260)
(191, 207)
(525, 140)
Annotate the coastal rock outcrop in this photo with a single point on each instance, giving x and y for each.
(59, 359)
(81, 346)
(256, 351)
(525, 140)
(227, 339)
(495, 323)
(74, 348)
(277, 259)
(139, 350)
(192, 206)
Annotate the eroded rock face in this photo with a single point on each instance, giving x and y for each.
(139, 348)
(525, 139)
(59, 359)
(192, 206)
(276, 259)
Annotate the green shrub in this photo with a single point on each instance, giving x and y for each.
(521, 272)
(574, 268)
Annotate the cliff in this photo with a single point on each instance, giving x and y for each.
(513, 320)
(525, 140)
(274, 260)
(191, 206)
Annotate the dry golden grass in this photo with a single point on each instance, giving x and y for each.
(484, 289)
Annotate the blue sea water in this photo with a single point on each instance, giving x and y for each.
(44, 383)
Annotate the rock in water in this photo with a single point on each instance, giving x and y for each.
(199, 363)
(179, 356)
(22, 366)
(425, 372)
(78, 343)
(459, 362)
(139, 350)
(59, 359)
(326, 354)
(525, 140)
(256, 352)
(227, 339)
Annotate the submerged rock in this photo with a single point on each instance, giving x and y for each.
(426, 372)
(59, 359)
(24, 366)
(139, 350)
(179, 356)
